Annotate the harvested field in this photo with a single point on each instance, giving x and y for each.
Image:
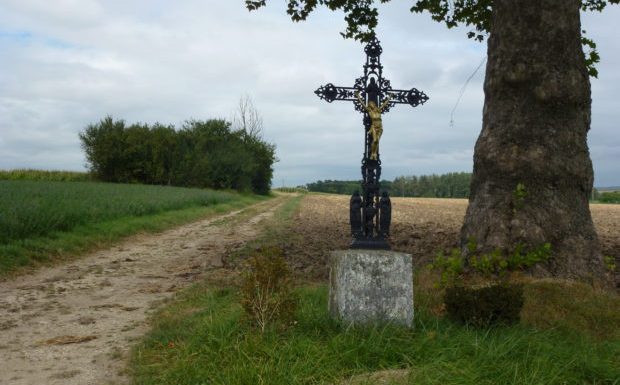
(420, 226)
(607, 221)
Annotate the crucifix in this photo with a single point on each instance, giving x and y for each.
(372, 95)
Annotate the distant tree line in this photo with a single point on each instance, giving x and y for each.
(606, 196)
(200, 154)
(346, 187)
(450, 185)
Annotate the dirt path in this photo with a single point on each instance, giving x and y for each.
(75, 323)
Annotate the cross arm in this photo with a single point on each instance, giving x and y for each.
(330, 92)
(413, 97)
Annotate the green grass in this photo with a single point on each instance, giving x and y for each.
(275, 232)
(35, 208)
(42, 221)
(200, 339)
(52, 175)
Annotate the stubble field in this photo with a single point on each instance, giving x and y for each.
(420, 226)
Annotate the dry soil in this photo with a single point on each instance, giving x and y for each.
(420, 226)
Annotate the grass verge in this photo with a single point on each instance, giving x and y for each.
(200, 339)
(275, 232)
(17, 256)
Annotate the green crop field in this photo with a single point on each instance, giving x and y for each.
(41, 218)
(34, 208)
(54, 175)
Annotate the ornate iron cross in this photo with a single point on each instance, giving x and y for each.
(370, 214)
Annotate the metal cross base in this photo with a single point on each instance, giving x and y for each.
(376, 243)
(370, 215)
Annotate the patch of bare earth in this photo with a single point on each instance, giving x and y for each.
(607, 221)
(420, 226)
(74, 324)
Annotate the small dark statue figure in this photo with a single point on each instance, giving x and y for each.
(356, 215)
(385, 208)
(372, 95)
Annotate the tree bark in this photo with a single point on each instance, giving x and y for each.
(532, 170)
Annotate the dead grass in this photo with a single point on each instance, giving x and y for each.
(382, 377)
(549, 304)
(573, 306)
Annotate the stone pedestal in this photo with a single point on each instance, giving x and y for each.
(371, 286)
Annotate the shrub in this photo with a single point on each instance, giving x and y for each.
(199, 154)
(266, 289)
(484, 306)
(500, 302)
(609, 197)
(610, 263)
(494, 265)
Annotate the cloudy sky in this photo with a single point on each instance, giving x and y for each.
(68, 63)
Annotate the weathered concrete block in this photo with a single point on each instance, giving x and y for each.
(368, 286)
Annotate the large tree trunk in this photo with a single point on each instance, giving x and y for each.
(532, 169)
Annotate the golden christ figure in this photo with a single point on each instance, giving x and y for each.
(376, 127)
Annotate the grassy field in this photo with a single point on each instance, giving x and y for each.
(569, 332)
(53, 175)
(42, 220)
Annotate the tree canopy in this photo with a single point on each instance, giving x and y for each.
(362, 16)
(201, 154)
